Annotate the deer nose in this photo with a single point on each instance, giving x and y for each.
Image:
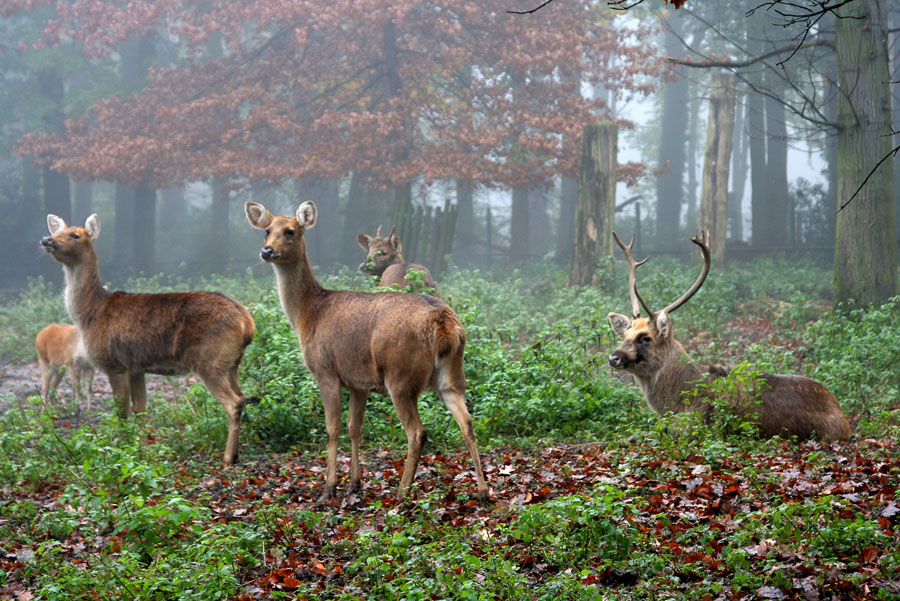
(267, 253)
(48, 241)
(616, 360)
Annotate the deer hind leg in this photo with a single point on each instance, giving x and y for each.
(358, 399)
(75, 376)
(87, 374)
(456, 404)
(405, 402)
(219, 383)
(120, 382)
(330, 390)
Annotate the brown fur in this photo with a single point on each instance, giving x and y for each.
(57, 345)
(392, 343)
(385, 259)
(788, 405)
(128, 335)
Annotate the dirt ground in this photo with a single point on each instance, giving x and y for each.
(21, 380)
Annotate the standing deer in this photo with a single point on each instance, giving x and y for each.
(384, 259)
(58, 345)
(391, 343)
(128, 335)
(668, 378)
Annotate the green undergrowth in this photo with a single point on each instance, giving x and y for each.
(102, 505)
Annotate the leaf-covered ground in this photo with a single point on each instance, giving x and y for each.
(814, 521)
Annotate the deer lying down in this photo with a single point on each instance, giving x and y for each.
(384, 259)
(128, 335)
(393, 343)
(57, 345)
(787, 405)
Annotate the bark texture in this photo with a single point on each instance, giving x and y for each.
(717, 159)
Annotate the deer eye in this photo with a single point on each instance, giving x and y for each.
(76, 236)
(288, 232)
(267, 232)
(643, 339)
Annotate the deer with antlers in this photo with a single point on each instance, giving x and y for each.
(384, 259)
(671, 382)
(391, 343)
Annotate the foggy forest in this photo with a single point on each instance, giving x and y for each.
(605, 291)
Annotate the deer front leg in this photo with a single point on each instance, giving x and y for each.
(121, 388)
(331, 401)
(138, 393)
(357, 411)
(75, 376)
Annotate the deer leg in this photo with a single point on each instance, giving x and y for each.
(75, 376)
(219, 385)
(456, 404)
(138, 393)
(88, 376)
(55, 378)
(45, 379)
(331, 401)
(121, 388)
(357, 411)
(406, 404)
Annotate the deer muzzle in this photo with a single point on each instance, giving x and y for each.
(619, 360)
(267, 253)
(49, 243)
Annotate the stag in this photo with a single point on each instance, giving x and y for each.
(391, 343)
(128, 335)
(670, 381)
(384, 259)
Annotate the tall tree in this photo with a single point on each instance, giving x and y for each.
(865, 263)
(313, 89)
(670, 183)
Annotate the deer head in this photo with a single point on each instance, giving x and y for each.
(381, 252)
(647, 343)
(284, 235)
(68, 244)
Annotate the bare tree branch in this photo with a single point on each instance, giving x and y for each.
(893, 152)
(746, 63)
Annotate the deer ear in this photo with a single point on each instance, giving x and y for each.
(395, 243)
(619, 323)
(55, 224)
(364, 241)
(92, 225)
(306, 215)
(257, 214)
(663, 325)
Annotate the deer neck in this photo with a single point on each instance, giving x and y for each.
(84, 288)
(664, 389)
(298, 290)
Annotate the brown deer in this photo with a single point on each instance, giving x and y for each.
(128, 335)
(670, 381)
(58, 345)
(391, 343)
(384, 259)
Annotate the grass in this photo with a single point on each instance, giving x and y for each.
(594, 496)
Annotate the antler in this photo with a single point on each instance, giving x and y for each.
(378, 233)
(701, 240)
(393, 229)
(636, 300)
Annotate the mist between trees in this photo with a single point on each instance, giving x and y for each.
(165, 121)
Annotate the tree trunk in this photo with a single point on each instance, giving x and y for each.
(322, 241)
(356, 219)
(777, 209)
(217, 250)
(57, 194)
(565, 236)
(714, 193)
(739, 175)
(144, 229)
(519, 224)
(123, 241)
(756, 125)
(465, 237)
(693, 138)
(595, 213)
(865, 264)
(670, 183)
(84, 200)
